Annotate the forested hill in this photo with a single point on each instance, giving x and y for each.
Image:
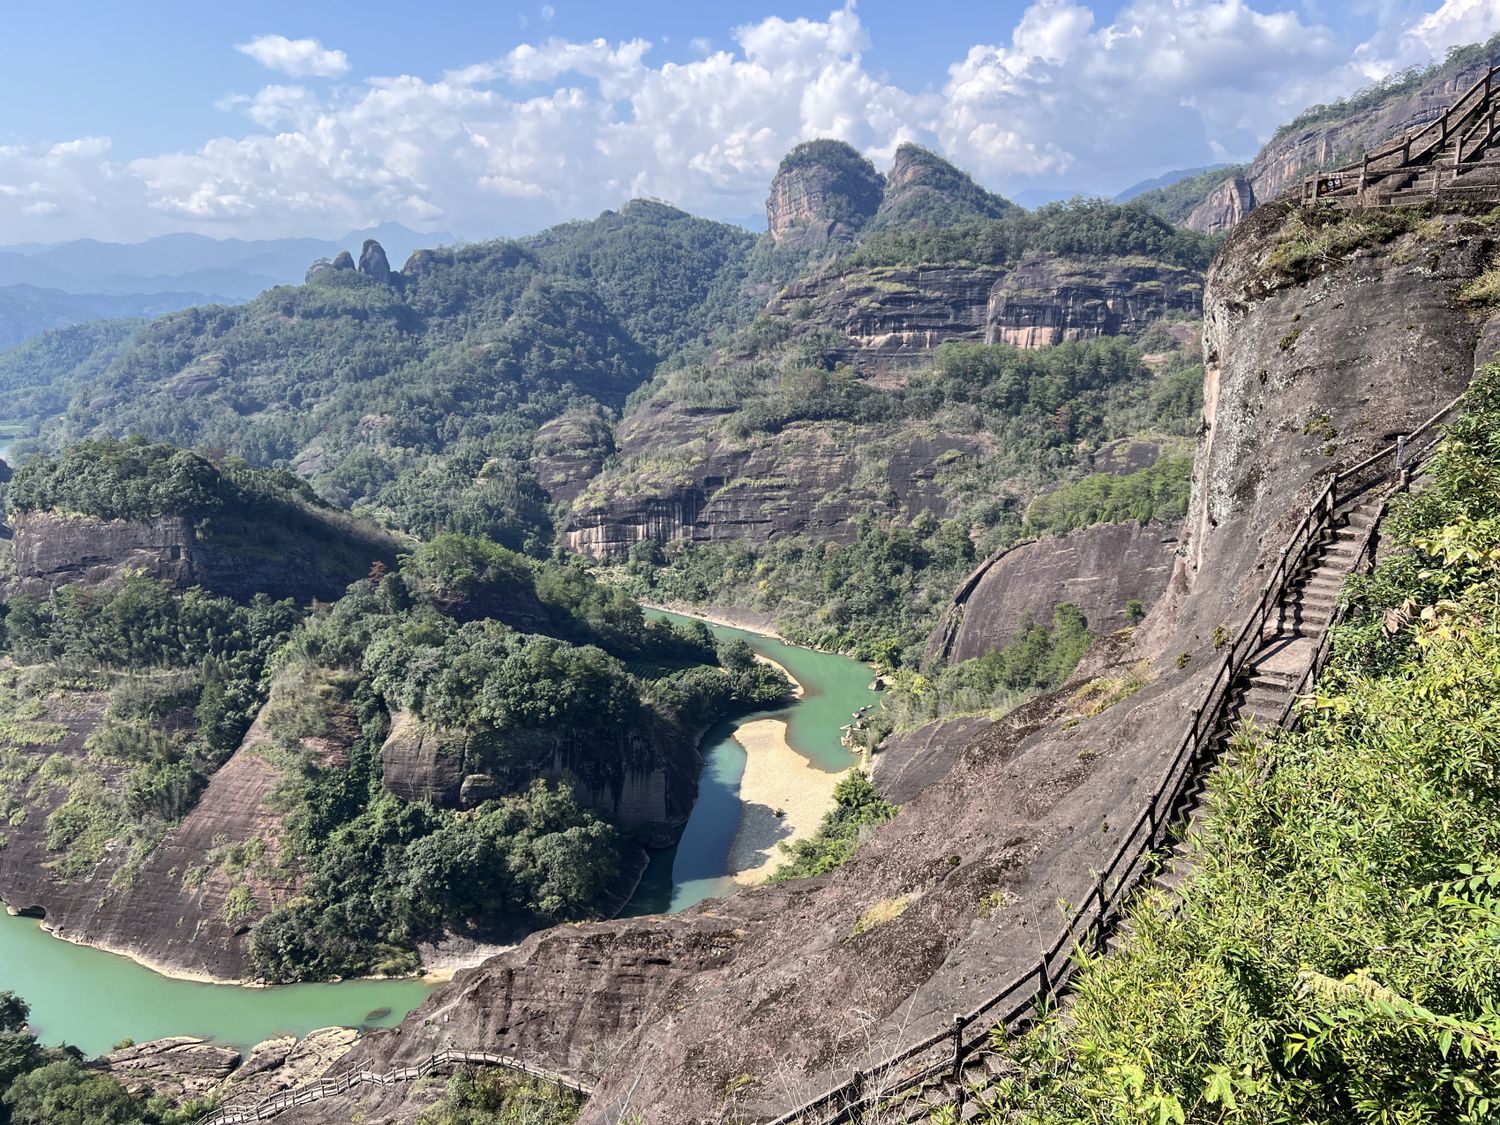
(417, 395)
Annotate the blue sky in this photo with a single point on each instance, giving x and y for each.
(122, 120)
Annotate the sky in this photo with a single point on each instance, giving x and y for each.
(125, 119)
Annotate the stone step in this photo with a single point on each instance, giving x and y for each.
(1264, 715)
(1262, 674)
(1317, 599)
(1266, 695)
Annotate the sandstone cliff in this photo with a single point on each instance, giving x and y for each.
(682, 479)
(295, 552)
(823, 191)
(641, 781)
(1099, 569)
(1225, 206)
(967, 877)
(169, 907)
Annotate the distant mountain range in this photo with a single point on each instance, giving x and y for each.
(1166, 179)
(50, 286)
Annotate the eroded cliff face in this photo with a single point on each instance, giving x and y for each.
(1044, 301)
(1099, 569)
(226, 555)
(644, 782)
(824, 190)
(1225, 206)
(1310, 378)
(169, 908)
(683, 480)
(891, 318)
(970, 872)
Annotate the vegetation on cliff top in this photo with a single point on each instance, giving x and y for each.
(1333, 956)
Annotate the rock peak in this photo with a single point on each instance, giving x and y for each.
(372, 261)
(824, 190)
(923, 187)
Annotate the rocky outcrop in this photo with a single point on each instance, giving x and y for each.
(373, 263)
(685, 481)
(642, 779)
(891, 318)
(1304, 379)
(568, 452)
(1099, 569)
(823, 191)
(300, 553)
(183, 1068)
(53, 550)
(1225, 206)
(1046, 300)
(344, 261)
(170, 909)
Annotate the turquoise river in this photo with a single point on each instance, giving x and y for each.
(94, 999)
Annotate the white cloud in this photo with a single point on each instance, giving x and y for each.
(300, 58)
(1455, 23)
(555, 129)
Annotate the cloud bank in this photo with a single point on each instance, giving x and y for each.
(557, 129)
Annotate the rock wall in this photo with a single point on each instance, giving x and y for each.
(645, 780)
(893, 317)
(1099, 569)
(298, 554)
(824, 190)
(52, 550)
(807, 478)
(1225, 206)
(171, 912)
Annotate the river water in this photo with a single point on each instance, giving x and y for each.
(834, 687)
(94, 999)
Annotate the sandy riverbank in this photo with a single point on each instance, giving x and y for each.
(744, 619)
(798, 691)
(776, 778)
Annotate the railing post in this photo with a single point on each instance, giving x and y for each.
(856, 1090)
(1099, 925)
(1364, 174)
(958, 1063)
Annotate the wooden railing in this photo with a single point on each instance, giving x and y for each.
(1027, 996)
(1472, 110)
(436, 1063)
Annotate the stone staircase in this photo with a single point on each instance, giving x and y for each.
(1262, 698)
(1454, 157)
